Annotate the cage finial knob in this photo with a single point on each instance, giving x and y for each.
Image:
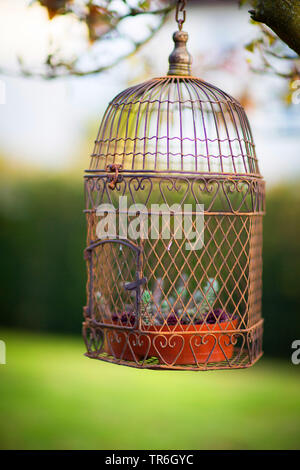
(180, 59)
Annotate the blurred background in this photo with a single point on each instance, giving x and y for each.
(50, 395)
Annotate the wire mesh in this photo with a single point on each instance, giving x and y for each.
(175, 124)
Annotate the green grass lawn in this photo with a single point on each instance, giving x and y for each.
(52, 397)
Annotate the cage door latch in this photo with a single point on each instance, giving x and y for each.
(134, 285)
(116, 178)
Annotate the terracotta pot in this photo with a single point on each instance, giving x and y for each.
(184, 344)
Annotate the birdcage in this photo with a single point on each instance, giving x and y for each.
(174, 206)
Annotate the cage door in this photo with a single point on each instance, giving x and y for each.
(114, 283)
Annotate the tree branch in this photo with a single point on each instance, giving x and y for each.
(54, 68)
(282, 16)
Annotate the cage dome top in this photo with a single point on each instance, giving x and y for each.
(176, 124)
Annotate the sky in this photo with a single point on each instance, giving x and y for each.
(47, 123)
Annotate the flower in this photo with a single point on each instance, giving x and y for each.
(218, 315)
(172, 319)
(126, 318)
(115, 317)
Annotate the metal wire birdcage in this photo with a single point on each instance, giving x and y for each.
(153, 302)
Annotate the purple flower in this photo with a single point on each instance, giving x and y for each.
(172, 319)
(126, 318)
(218, 315)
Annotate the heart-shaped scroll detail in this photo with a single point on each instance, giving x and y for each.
(174, 190)
(230, 340)
(255, 196)
(251, 340)
(206, 187)
(229, 186)
(93, 339)
(114, 337)
(94, 192)
(203, 341)
(240, 188)
(237, 186)
(138, 342)
(164, 343)
(87, 338)
(140, 188)
(233, 341)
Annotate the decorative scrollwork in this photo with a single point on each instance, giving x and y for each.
(207, 350)
(169, 348)
(219, 195)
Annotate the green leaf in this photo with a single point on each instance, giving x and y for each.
(146, 297)
(144, 4)
(251, 46)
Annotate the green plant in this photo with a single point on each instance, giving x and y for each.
(171, 310)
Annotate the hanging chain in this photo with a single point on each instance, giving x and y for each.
(180, 13)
